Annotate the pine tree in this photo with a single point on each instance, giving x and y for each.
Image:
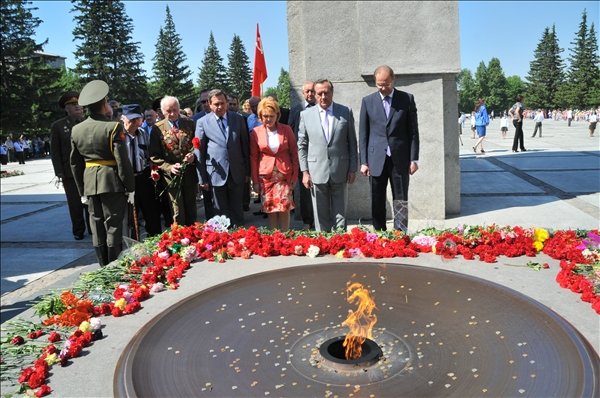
(239, 74)
(212, 72)
(481, 84)
(283, 88)
(545, 72)
(496, 98)
(583, 73)
(29, 85)
(593, 97)
(107, 51)
(171, 74)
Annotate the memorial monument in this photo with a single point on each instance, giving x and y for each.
(344, 41)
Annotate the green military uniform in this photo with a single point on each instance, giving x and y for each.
(103, 173)
(60, 151)
(169, 145)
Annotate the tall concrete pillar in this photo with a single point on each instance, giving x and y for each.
(344, 41)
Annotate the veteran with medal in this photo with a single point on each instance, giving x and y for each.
(102, 170)
(172, 150)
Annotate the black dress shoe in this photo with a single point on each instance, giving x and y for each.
(78, 237)
(523, 150)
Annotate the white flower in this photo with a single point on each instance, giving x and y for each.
(313, 251)
(218, 224)
(189, 254)
(95, 323)
(185, 241)
(157, 287)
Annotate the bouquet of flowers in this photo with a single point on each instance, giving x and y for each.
(177, 181)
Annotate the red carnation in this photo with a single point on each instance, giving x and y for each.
(17, 340)
(196, 142)
(43, 391)
(54, 337)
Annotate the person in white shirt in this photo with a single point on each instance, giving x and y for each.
(504, 125)
(538, 119)
(593, 122)
(569, 117)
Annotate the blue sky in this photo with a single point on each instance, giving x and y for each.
(507, 30)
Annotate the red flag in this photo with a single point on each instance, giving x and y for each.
(259, 75)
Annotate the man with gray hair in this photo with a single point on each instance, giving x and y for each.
(224, 157)
(171, 149)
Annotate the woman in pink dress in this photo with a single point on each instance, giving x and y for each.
(274, 164)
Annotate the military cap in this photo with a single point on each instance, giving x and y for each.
(132, 111)
(70, 97)
(93, 92)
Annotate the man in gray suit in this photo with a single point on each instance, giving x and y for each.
(224, 163)
(328, 156)
(389, 146)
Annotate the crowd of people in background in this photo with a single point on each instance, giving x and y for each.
(24, 148)
(538, 116)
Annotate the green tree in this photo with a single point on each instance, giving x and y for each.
(29, 85)
(496, 98)
(171, 74)
(106, 49)
(546, 72)
(239, 74)
(515, 86)
(466, 90)
(212, 72)
(481, 83)
(583, 72)
(283, 88)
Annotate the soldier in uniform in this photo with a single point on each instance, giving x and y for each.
(60, 151)
(171, 150)
(102, 170)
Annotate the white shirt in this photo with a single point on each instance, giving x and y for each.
(273, 139)
(329, 113)
(539, 117)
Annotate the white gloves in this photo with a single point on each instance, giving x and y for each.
(84, 200)
(130, 197)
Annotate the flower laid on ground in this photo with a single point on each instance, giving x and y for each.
(10, 173)
(70, 319)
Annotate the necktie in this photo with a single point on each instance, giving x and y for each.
(386, 105)
(325, 125)
(222, 126)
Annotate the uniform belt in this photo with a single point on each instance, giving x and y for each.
(100, 162)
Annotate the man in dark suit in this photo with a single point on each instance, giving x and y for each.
(389, 146)
(172, 151)
(302, 193)
(60, 151)
(224, 164)
(102, 170)
(328, 156)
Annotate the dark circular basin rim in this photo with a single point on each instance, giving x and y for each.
(123, 384)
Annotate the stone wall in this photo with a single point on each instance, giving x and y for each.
(344, 41)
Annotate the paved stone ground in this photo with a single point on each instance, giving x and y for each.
(555, 184)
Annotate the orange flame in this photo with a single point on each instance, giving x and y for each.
(360, 322)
